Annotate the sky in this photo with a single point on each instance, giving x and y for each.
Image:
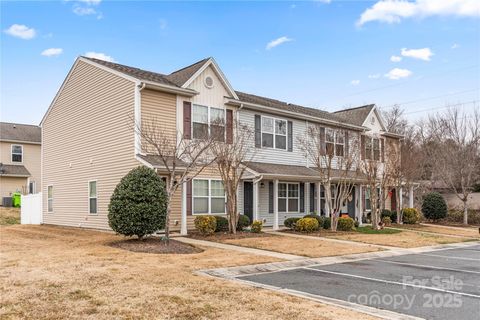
(421, 54)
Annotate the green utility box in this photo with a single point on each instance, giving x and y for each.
(17, 199)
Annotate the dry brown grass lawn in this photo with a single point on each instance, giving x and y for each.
(65, 273)
(466, 232)
(403, 239)
(9, 216)
(303, 247)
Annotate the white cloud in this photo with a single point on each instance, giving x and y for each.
(323, 1)
(397, 73)
(91, 2)
(83, 11)
(355, 82)
(86, 8)
(52, 52)
(422, 54)
(163, 24)
(393, 11)
(99, 55)
(455, 46)
(395, 58)
(21, 31)
(374, 76)
(272, 44)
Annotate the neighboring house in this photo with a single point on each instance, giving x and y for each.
(20, 146)
(89, 143)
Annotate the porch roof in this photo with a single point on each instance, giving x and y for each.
(13, 170)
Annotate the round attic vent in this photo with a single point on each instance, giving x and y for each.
(209, 82)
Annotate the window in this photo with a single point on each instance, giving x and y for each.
(32, 187)
(288, 197)
(335, 142)
(274, 133)
(17, 153)
(376, 149)
(368, 205)
(208, 196)
(92, 197)
(372, 149)
(206, 120)
(50, 198)
(368, 148)
(330, 141)
(340, 143)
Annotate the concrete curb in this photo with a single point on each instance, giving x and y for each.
(433, 233)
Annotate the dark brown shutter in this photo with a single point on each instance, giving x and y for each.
(270, 197)
(302, 197)
(290, 135)
(382, 149)
(229, 126)
(347, 146)
(258, 131)
(312, 197)
(322, 141)
(187, 120)
(189, 198)
(362, 146)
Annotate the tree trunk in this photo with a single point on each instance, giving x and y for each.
(167, 222)
(465, 212)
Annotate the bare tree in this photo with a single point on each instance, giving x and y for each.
(337, 169)
(230, 157)
(395, 120)
(181, 159)
(452, 142)
(372, 171)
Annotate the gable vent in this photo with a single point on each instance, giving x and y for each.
(209, 82)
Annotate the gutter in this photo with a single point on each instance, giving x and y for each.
(169, 89)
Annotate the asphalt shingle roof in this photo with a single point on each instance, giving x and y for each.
(356, 115)
(20, 132)
(13, 170)
(181, 76)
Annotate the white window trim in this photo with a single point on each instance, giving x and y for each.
(372, 154)
(96, 196)
(287, 197)
(209, 197)
(274, 134)
(11, 152)
(335, 143)
(48, 199)
(208, 120)
(34, 188)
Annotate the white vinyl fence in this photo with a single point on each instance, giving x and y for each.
(31, 211)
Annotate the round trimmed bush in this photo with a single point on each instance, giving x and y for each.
(326, 223)
(257, 226)
(206, 225)
(290, 222)
(243, 222)
(222, 224)
(138, 205)
(307, 225)
(316, 216)
(346, 224)
(410, 216)
(434, 206)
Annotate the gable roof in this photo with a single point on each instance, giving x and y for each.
(181, 76)
(356, 115)
(20, 132)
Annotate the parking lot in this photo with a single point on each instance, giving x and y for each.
(437, 284)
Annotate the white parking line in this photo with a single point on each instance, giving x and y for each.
(448, 257)
(426, 266)
(394, 282)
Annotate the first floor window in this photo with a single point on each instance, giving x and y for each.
(208, 196)
(50, 198)
(368, 205)
(32, 187)
(92, 197)
(17, 153)
(288, 197)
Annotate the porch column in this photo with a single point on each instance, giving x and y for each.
(319, 202)
(360, 204)
(307, 198)
(275, 204)
(410, 197)
(401, 198)
(255, 200)
(183, 222)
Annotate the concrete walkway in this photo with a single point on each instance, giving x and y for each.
(230, 247)
(355, 243)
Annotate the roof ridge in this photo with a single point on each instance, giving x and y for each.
(21, 124)
(191, 65)
(349, 109)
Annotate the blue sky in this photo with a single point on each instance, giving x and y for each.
(325, 54)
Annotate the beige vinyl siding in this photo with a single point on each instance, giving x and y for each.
(212, 97)
(31, 159)
(9, 185)
(87, 136)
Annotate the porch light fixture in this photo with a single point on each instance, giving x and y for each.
(262, 185)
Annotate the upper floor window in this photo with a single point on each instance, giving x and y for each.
(376, 149)
(208, 121)
(372, 149)
(335, 142)
(17, 153)
(274, 133)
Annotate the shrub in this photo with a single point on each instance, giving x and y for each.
(346, 224)
(243, 222)
(387, 221)
(316, 216)
(386, 213)
(138, 205)
(391, 214)
(434, 206)
(357, 224)
(410, 216)
(456, 216)
(222, 224)
(290, 222)
(327, 223)
(307, 225)
(206, 225)
(256, 226)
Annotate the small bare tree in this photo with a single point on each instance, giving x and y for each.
(181, 159)
(372, 171)
(452, 140)
(230, 157)
(337, 170)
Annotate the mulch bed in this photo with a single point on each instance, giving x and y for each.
(219, 236)
(155, 245)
